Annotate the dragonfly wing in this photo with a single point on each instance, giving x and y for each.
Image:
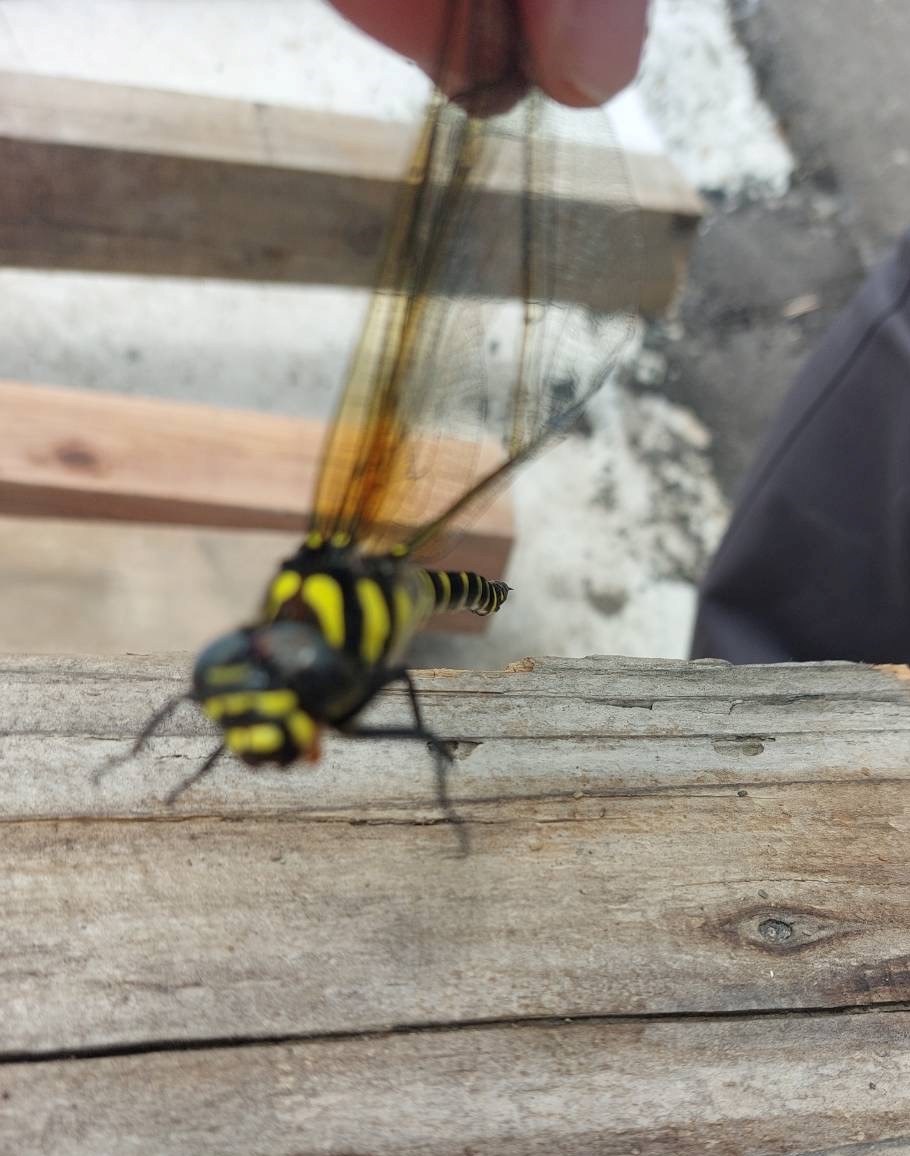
(506, 292)
(373, 481)
(574, 251)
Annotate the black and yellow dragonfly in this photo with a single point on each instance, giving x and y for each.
(503, 232)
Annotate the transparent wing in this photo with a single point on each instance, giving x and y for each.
(511, 282)
(386, 452)
(553, 214)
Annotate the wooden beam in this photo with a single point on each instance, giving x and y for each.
(103, 457)
(682, 875)
(128, 180)
(74, 454)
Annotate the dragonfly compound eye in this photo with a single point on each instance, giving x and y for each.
(228, 664)
(241, 687)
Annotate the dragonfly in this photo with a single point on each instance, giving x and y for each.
(480, 326)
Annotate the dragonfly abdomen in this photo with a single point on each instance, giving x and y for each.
(465, 590)
(371, 606)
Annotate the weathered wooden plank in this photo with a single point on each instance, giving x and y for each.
(546, 728)
(343, 910)
(644, 678)
(646, 882)
(118, 933)
(121, 179)
(743, 1087)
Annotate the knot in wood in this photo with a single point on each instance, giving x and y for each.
(784, 930)
(775, 930)
(75, 455)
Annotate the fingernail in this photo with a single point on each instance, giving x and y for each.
(598, 43)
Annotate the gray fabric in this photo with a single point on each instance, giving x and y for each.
(816, 561)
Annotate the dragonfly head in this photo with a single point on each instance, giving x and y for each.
(262, 685)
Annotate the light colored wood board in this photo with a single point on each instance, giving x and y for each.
(70, 453)
(116, 933)
(77, 454)
(126, 118)
(121, 179)
(117, 587)
(645, 682)
(700, 901)
(757, 1087)
(556, 731)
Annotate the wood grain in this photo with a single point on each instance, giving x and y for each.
(733, 1086)
(269, 927)
(743, 1087)
(605, 727)
(68, 453)
(653, 946)
(119, 179)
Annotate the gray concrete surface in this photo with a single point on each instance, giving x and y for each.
(835, 73)
(770, 275)
(765, 281)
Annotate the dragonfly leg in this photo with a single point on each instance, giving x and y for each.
(442, 755)
(142, 739)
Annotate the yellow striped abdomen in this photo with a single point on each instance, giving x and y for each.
(465, 590)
